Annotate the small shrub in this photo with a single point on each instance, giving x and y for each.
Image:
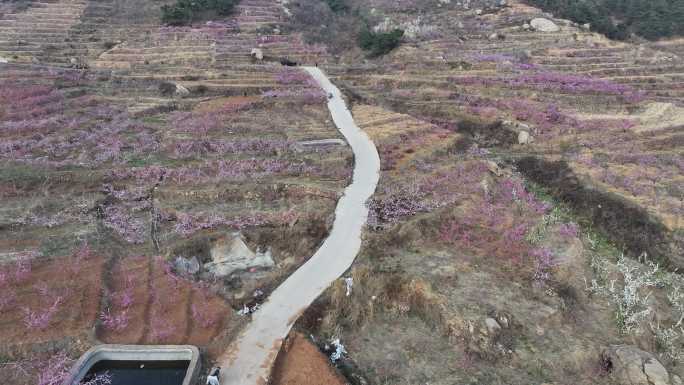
(337, 6)
(184, 12)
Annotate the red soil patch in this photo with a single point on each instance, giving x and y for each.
(301, 363)
(71, 286)
(136, 275)
(166, 309)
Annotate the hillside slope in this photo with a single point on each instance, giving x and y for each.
(527, 223)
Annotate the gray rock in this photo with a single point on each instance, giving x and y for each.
(257, 53)
(493, 327)
(3, 60)
(478, 12)
(524, 137)
(632, 366)
(231, 254)
(188, 266)
(544, 25)
(503, 320)
(585, 26)
(181, 91)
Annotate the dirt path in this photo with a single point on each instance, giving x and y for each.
(249, 359)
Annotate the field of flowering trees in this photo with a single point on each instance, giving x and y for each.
(145, 143)
(605, 109)
(479, 267)
(92, 191)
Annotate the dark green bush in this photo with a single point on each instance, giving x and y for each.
(337, 5)
(379, 43)
(618, 19)
(186, 11)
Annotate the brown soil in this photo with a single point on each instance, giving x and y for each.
(301, 363)
(77, 311)
(165, 305)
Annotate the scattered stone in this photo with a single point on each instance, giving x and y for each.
(504, 321)
(483, 338)
(181, 91)
(524, 137)
(497, 36)
(526, 27)
(632, 366)
(492, 326)
(257, 53)
(544, 25)
(524, 127)
(585, 26)
(3, 60)
(231, 254)
(478, 12)
(187, 266)
(494, 168)
(348, 283)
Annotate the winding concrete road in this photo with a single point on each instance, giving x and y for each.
(249, 359)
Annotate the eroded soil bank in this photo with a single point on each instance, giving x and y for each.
(301, 363)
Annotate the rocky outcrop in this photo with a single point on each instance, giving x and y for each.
(187, 266)
(257, 53)
(491, 338)
(524, 137)
(632, 366)
(544, 25)
(181, 91)
(231, 254)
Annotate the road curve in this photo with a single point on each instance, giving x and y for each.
(249, 359)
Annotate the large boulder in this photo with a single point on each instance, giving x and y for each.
(187, 266)
(181, 91)
(632, 366)
(231, 254)
(544, 25)
(524, 137)
(257, 53)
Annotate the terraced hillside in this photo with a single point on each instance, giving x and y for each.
(607, 109)
(134, 152)
(527, 226)
(522, 167)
